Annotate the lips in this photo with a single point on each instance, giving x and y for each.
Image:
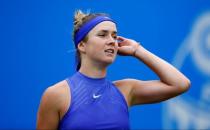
(111, 51)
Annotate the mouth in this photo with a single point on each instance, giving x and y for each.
(109, 51)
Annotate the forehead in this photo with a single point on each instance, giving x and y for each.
(106, 25)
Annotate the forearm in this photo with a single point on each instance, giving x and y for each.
(166, 72)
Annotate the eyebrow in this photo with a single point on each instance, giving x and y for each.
(106, 31)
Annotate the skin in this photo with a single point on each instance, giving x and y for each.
(56, 99)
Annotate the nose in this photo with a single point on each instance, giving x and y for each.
(112, 41)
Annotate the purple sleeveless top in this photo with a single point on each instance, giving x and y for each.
(96, 103)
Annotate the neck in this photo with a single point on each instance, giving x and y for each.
(93, 71)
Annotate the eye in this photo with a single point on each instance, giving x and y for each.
(101, 35)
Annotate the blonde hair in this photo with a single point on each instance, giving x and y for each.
(79, 19)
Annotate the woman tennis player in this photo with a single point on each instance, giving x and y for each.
(87, 100)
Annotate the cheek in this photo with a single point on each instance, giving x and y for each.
(97, 46)
(96, 49)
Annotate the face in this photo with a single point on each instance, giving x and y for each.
(101, 45)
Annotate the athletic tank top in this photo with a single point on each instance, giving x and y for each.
(96, 103)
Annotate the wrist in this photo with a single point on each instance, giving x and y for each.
(136, 49)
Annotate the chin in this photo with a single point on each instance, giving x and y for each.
(109, 60)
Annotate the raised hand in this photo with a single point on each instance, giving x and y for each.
(127, 47)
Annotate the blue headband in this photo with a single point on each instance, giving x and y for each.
(83, 31)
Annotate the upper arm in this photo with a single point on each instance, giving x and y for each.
(152, 91)
(48, 113)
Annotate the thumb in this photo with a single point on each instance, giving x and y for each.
(123, 50)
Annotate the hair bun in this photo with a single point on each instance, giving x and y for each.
(79, 17)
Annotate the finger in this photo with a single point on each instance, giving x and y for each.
(120, 44)
(122, 51)
(123, 44)
(120, 38)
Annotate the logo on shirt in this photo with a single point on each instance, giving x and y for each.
(96, 96)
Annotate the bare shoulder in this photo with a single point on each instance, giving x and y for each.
(57, 91)
(56, 97)
(124, 82)
(53, 105)
(125, 87)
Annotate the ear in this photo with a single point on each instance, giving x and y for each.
(81, 46)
